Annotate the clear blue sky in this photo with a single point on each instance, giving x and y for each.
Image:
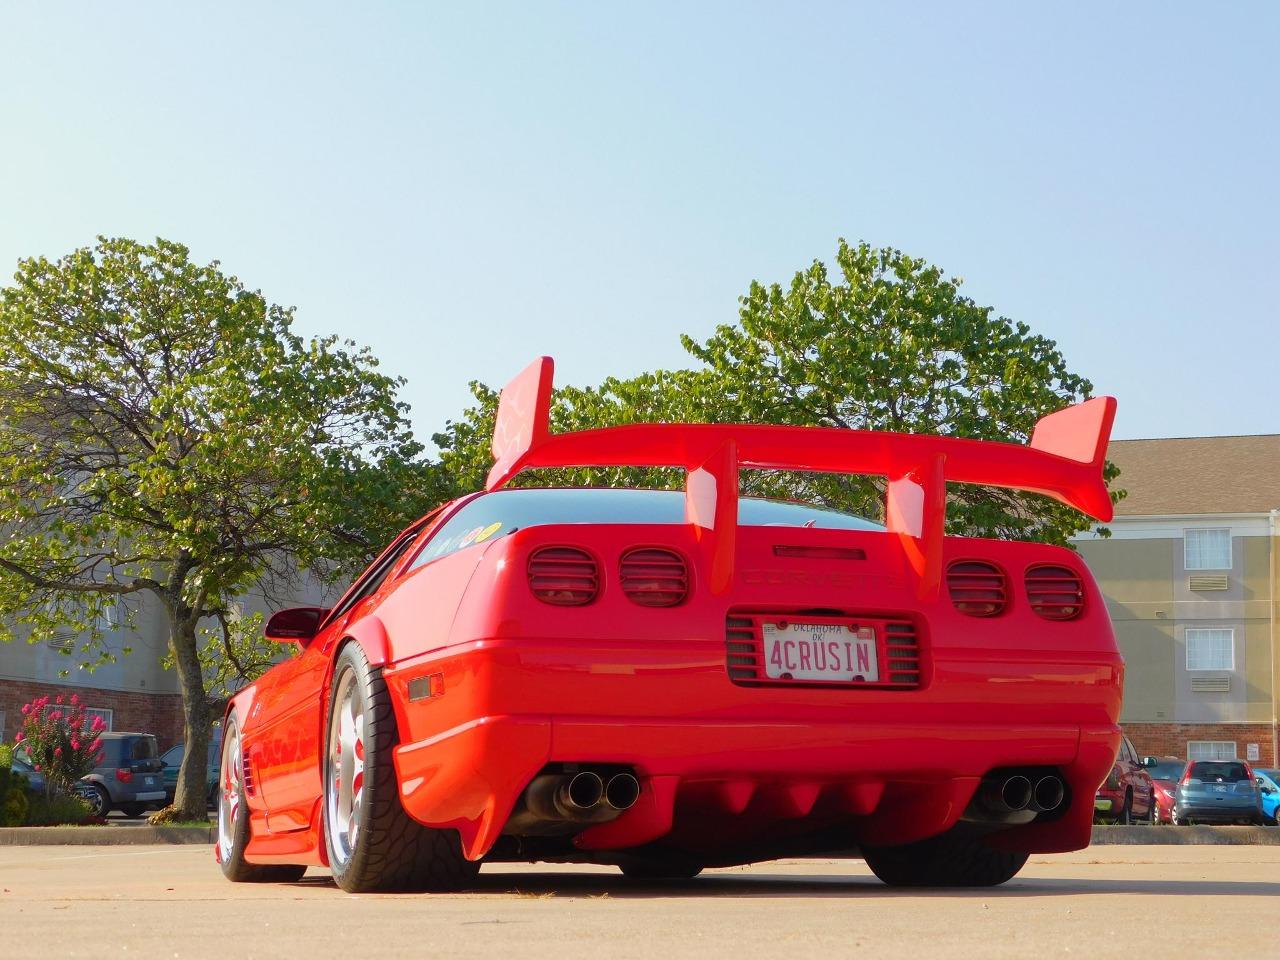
(464, 187)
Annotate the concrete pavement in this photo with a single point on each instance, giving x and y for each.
(172, 902)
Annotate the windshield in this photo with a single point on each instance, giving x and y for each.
(1167, 770)
(1221, 772)
(504, 511)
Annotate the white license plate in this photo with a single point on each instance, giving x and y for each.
(150, 781)
(820, 651)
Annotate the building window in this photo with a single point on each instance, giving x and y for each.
(109, 616)
(1211, 649)
(1211, 750)
(105, 714)
(1207, 549)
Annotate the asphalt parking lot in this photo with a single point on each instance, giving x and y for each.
(172, 902)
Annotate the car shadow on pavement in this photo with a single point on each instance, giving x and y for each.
(781, 886)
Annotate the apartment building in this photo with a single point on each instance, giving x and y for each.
(135, 692)
(1191, 574)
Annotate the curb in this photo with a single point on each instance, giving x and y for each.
(104, 836)
(1185, 836)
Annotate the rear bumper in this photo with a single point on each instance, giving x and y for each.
(889, 782)
(1217, 813)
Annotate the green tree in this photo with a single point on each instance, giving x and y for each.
(163, 434)
(890, 344)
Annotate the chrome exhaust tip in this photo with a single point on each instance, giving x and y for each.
(1015, 792)
(583, 791)
(1049, 793)
(622, 791)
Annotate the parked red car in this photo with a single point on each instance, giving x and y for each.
(1165, 772)
(1128, 794)
(666, 681)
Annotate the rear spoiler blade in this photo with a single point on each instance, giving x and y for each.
(1064, 460)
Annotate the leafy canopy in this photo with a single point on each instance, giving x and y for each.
(889, 343)
(163, 431)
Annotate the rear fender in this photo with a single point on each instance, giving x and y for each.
(371, 635)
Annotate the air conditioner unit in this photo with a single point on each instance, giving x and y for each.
(1215, 684)
(1202, 583)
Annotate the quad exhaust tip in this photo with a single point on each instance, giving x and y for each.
(582, 797)
(1015, 797)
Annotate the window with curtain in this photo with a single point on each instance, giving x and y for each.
(1208, 549)
(1211, 750)
(1210, 649)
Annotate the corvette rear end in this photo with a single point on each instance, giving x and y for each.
(670, 680)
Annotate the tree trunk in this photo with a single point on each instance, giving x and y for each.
(190, 801)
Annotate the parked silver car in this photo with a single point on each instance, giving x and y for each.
(128, 777)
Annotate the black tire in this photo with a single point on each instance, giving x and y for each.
(231, 855)
(212, 800)
(659, 869)
(948, 860)
(1126, 812)
(391, 851)
(98, 799)
(133, 810)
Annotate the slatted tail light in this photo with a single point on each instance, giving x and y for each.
(654, 577)
(977, 588)
(564, 576)
(1055, 592)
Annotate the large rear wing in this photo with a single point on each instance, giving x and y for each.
(1064, 460)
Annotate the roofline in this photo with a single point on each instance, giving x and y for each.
(1256, 515)
(1212, 436)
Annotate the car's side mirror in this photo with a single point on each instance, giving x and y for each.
(295, 625)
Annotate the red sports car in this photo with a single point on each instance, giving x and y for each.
(667, 681)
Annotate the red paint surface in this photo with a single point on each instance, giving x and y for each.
(519, 684)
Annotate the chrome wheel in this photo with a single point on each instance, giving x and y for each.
(344, 789)
(229, 792)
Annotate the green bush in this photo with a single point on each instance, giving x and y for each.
(58, 810)
(13, 791)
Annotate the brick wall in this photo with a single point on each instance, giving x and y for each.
(1170, 739)
(158, 713)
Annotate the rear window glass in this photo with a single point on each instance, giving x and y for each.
(1225, 772)
(505, 511)
(1167, 770)
(119, 749)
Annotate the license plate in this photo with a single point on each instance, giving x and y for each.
(1218, 789)
(828, 652)
(150, 781)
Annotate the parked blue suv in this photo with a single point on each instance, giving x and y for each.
(1218, 791)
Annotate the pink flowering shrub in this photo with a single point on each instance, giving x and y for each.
(62, 743)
